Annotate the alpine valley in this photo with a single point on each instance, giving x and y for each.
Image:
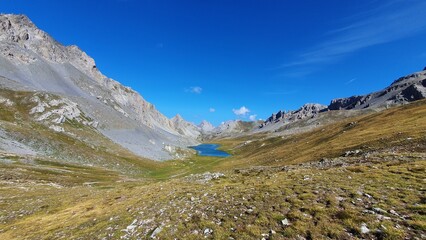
(84, 157)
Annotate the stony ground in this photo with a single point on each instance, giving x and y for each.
(377, 195)
(362, 178)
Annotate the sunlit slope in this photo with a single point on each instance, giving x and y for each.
(278, 187)
(341, 202)
(370, 131)
(27, 140)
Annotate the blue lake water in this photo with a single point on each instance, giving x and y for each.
(210, 150)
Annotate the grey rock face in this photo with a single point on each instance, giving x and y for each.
(347, 103)
(308, 110)
(205, 127)
(233, 127)
(185, 128)
(405, 89)
(31, 59)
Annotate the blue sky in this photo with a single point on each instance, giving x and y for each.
(220, 60)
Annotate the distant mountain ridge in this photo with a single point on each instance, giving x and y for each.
(205, 127)
(306, 111)
(403, 90)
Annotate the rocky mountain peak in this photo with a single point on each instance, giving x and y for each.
(15, 21)
(177, 118)
(19, 29)
(184, 128)
(403, 90)
(308, 110)
(206, 126)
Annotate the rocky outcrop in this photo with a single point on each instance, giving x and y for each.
(405, 89)
(55, 111)
(309, 110)
(348, 103)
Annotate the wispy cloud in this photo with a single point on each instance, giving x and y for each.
(351, 81)
(280, 92)
(388, 22)
(212, 110)
(196, 90)
(242, 111)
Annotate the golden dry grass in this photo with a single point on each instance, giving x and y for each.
(383, 187)
(374, 130)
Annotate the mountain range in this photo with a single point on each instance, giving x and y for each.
(84, 157)
(31, 60)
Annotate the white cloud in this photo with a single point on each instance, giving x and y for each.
(212, 110)
(196, 90)
(253, 117)
(242, 111)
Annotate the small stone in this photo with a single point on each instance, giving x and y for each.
(379, 210)
(364, 228)
(156, 232)
(339, 199)
(394, 212)
(132, 226)
(368, 195)
(381, 217)
(208, 231)
(285, 222)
